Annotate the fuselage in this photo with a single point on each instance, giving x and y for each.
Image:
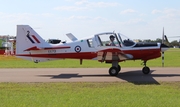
(89, 48)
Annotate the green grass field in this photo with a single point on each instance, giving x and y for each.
(172, 59)
(116, 94)
(112, 94)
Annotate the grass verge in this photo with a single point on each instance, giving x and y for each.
(89, 94)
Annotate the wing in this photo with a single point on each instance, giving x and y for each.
(112, 54)
(34, 48)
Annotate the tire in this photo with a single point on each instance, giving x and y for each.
(146, 70)
(119, 68)
(113, 71)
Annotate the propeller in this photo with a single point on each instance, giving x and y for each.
(163, 51)
(163, 46)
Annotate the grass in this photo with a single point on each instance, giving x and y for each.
(12, 62)
(172, 57)
(89, 94)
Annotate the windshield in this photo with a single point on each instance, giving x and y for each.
(124, 40)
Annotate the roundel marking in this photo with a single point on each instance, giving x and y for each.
(77, 49)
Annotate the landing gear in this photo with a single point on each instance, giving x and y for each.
(119, 68)
(115, 69)
(145, 69)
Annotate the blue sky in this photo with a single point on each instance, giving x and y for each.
(137, 19)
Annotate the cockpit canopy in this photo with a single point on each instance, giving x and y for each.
(125, 40)
(113, 39)
(53, 41)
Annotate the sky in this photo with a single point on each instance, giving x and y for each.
(53, 19)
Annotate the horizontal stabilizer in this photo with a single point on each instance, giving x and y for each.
(71, 37)
(32, 48)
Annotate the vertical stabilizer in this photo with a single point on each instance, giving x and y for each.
(27, 38)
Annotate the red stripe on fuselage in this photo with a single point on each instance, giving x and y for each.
(82, 55)
(35, 39)
(145, 54)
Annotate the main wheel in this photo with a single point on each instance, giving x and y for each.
(146, 70)
(113, 71)
(119, 68)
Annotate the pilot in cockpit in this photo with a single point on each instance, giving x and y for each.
(111, 37)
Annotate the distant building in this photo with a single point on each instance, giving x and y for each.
(7, 44)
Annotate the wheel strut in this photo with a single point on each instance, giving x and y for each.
(145, 69)
(144, 63)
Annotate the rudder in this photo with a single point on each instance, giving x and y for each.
(27, 38)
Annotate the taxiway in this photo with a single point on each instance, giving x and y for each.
(133, 75)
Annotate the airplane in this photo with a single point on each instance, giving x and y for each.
(30, 46)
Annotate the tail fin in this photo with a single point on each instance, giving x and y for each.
(71, 36)
(26, 38)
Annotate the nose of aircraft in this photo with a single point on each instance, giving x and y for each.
(164, 47)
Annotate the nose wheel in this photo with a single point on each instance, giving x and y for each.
(145, 70)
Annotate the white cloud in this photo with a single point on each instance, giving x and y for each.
(155, 11)
(82, 2)
(86, 5)
(167, 12)
(16, 17)
(69, 0)
(168, 15)
(127, 11)
(96, 4)
(11, 20)
(87, 18)
(47, 14)
(70, 8)
(134, 21)
(79, 17)
(100, 18)
(142, 14)
(102, 4)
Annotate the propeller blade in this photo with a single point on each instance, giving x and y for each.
(164, 46)
(166, 39)
(162, 59)
(163, 36)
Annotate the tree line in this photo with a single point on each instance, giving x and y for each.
(174, 43)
